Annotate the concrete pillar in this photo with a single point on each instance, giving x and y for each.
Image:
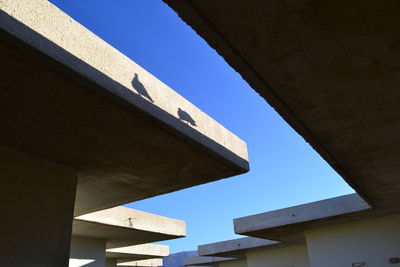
(36, 210)
(111, 262)
(87, 251)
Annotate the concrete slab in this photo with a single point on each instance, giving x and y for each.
(205, 261)
(141, 263)
(237, 248)
(329, 68)
(289, 224)
(122, 226)
(69, 97)
(138, 252)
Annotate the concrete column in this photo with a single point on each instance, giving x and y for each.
(87, 251)
(36, 210)
(111, 262)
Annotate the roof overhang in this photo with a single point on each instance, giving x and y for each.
(206, 261)
(138, 252)
(69, 97)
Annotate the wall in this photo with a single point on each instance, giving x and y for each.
(37, 201)
(88, 252)
(238, 263)
(372, 241)
(292, 256)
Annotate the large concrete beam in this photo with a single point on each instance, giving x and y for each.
(138, 252)
(237, 248)
(37, 202)
(141, 263)
(329, 68)
(122, 226)
(206, 261)
(290, 223)
(69, 97)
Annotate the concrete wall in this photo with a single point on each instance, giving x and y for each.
(111, 262)
(293, 256)
(372, 241)
(37, 201)
(88, 252)
(238, 263)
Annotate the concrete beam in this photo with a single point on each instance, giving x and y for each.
(237, 248)
(329, 69)
(141, 263)
(122, 226)
(205, 261)
(289, 224)
(69, 97)
(138, 252)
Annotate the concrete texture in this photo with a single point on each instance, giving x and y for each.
(87, 252)
(373, 241)
(329, 68)
(69, 97)
(289, 224)
(237, 248)
(122, 226)
(294, 256)
(141, 263)
(236, 263)
(205, 261)
(138, 252)
(37, 201)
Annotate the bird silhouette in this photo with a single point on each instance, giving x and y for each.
(139, 87)
(184, 116)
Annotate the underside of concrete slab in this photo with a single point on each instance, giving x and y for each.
(138, 252)
(290, 223)
(69, 97)
(329, 68)
(206, 261)
(122, 226)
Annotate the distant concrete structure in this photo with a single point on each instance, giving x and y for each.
(206, 261)
(84, 128)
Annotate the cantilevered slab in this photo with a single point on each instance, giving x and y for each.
(69, 97)
(138, 252)
(237, 248)
(141, 263)
(205, 261)
(331, 70)
(289, 224)
(122, 226)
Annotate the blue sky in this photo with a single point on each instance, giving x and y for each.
(285, 170)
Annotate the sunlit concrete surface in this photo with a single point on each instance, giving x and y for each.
(140, 263)
(121, 226)
(206, 261)
(69, 97)
(138, 252)
(329, 68)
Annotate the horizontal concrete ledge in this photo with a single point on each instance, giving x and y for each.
(138, 252)
(141, 263)
(205, 261)
(282, 224)
(77, 101)
(237, 248)
(122, 226)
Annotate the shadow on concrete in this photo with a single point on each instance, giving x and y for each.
(139, 87)
(184, 116)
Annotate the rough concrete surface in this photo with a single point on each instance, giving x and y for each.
(69, 97)
(138, 252)
(205, 261)
(122, 226)
(329, 68)
(141, 263)
(288, 224)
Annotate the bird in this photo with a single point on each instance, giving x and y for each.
(184, 116)
(139, 87)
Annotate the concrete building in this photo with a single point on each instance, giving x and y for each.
(121, 235)
(84, 128)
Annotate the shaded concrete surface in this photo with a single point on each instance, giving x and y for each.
(237, 248)
(122, 226)
(141, 263)
(205, 261)
(138, 252)
(289, 224)
(69, 97)
(37, 201)
(87, 252)
(329, 68)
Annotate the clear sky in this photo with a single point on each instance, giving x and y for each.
(285, 170)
